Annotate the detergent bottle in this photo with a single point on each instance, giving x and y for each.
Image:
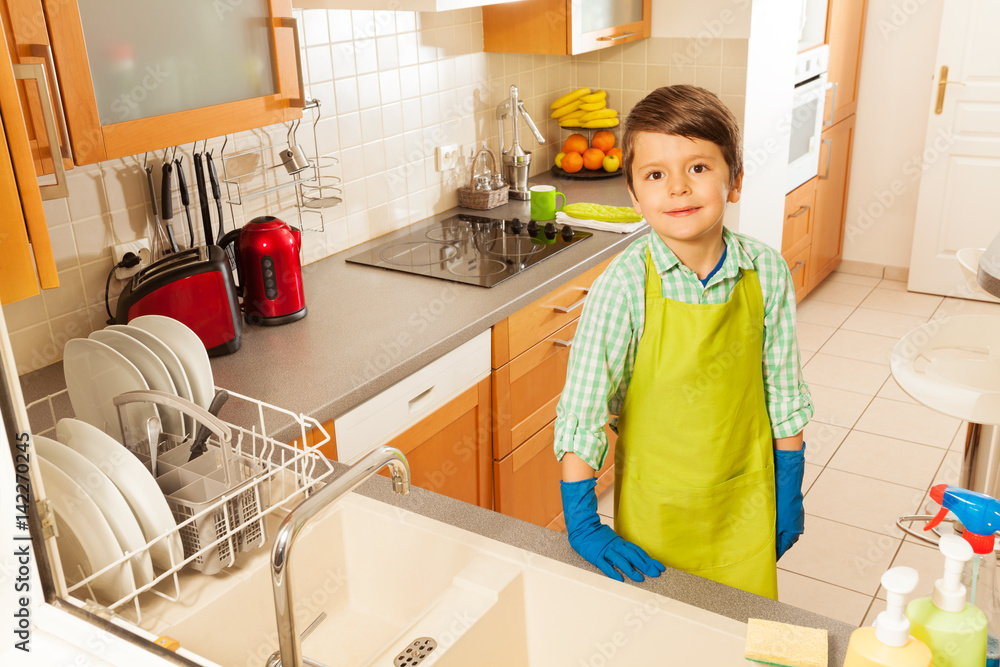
(953, 629)
(980, 517)
(889, 643)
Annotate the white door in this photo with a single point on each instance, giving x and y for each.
(957, 206)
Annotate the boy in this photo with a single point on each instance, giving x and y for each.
(689, 337)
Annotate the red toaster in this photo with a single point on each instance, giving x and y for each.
(194, 286)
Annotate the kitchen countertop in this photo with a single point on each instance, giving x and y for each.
(367, 328)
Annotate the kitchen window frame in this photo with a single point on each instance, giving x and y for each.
(93, 142)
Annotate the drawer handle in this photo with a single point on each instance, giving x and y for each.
(829, 149)
(418, 402)
(612, 38)
(833, 105)
(798, 266)
(572, 307)
(563, 343)
(802, 209)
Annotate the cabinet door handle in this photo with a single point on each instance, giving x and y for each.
(942, 85)
(563, 343)
(571, 307)
(798, 266)
(612, 38)
(802, 209)
(420, 400)
(829, 149)
(833, 105)
(293, 23)
(57, 190)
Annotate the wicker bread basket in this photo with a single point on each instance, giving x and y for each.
(482, 200)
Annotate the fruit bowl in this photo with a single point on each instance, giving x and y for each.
(586, 174)
(589, 157)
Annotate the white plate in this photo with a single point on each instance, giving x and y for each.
(108, 499)
(95, 374)
(93, 545)
(169, 359)
(134, 481)
(153, 370)
(188, 348)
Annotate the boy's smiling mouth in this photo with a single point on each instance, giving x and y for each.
(683, 211)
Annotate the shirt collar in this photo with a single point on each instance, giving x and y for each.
(737, 258)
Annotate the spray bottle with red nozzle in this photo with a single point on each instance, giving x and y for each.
(980, 518)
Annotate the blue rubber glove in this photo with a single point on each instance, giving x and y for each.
(789, 466)
(598, 543)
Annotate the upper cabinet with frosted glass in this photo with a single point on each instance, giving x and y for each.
(138, 76)
(564, 27)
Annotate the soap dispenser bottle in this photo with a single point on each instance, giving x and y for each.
(953, 629)
(889, 643)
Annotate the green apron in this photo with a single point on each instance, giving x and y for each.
(694, 461)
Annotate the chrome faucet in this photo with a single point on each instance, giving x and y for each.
(289, 652)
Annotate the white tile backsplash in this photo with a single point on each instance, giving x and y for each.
(392, 87)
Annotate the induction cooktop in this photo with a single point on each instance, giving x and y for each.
(472, 249)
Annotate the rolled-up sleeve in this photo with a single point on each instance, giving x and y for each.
(597, 364)
(789, 404)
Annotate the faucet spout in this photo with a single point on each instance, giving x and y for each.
(289, 642)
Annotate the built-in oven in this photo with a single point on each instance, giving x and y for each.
(807, 118)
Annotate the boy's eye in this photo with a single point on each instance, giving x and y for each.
(654, 175)
(699, 168)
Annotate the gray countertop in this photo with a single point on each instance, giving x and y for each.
(350, 347)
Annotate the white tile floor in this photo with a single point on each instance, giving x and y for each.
(872, 452)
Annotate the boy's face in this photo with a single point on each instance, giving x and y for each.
(681, 187)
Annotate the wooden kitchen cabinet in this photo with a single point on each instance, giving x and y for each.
(845, 27)
(101, 135)
(564, 27)
(24, 237)
(827, 245)
(796, 239)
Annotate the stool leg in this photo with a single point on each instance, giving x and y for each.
(981, 464)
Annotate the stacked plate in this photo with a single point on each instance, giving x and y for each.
(150, 352)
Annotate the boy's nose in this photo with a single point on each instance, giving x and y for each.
(678, 185)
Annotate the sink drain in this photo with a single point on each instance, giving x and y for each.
(415, 653)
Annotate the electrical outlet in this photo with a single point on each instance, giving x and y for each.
(446, 157)
(139, 247)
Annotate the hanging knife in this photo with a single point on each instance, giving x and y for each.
(206, 217)
(216, 192)
(185, 199)
(167, 204)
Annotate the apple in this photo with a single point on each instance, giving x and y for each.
(611, 163)
(559, 158)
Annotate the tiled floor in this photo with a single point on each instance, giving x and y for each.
(872, 452)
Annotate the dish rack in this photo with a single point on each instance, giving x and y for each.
(219, 499)
(250, 173)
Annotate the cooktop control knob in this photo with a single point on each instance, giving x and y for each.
(532, 227)
(550, 230)
(516, 226)
(567, 233)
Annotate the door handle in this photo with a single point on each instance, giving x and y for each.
(563, 343)
(570, 308)
(802, 208)
(798, 266)
(293, 24)
(833, 105)
(942, 86)
(829, 149)
(57, 190)
(612, 38)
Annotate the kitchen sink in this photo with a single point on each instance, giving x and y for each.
(386, 577)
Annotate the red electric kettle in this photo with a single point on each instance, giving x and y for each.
(269, 271)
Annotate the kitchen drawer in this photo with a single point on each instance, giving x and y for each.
(408, 401)
(798, 261)
(800, 206)
(527, 480)
(526, 391)
(536, 321)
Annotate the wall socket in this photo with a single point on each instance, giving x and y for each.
(446, 157)
(139, 247)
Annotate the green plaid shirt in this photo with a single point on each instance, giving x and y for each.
(607, 338)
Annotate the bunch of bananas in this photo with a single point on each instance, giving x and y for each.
(584, 108)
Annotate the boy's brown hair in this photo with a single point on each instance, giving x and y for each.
(686, 111)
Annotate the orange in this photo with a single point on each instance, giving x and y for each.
(575, 143)
(572, 162)
(605, 140)
(616, 152)
(593, 158)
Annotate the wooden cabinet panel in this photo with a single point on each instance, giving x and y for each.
(800, 206)
(449, 452)
(798, 264)
(546, 27)
(845, 27)
(831, 200)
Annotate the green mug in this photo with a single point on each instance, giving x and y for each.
(543, 202)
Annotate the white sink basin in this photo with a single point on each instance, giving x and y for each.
(386, 577)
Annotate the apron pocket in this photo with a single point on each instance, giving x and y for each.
(699, 529)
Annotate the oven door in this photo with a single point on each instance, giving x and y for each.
(806, 128)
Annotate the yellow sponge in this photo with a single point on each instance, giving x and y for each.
(788, 645)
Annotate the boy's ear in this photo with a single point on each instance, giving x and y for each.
(635, 202)
(736, 190)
